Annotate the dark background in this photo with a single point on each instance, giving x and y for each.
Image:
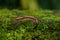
(49, 4)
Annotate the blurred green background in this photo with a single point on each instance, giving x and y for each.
(44, 4)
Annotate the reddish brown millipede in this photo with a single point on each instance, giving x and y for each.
(30, 17)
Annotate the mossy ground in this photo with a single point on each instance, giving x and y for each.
(47, 29)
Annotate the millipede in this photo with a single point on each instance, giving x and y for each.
(24, 17)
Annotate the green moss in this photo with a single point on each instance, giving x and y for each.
(47, 29)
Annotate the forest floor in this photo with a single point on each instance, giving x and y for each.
(47, 28)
